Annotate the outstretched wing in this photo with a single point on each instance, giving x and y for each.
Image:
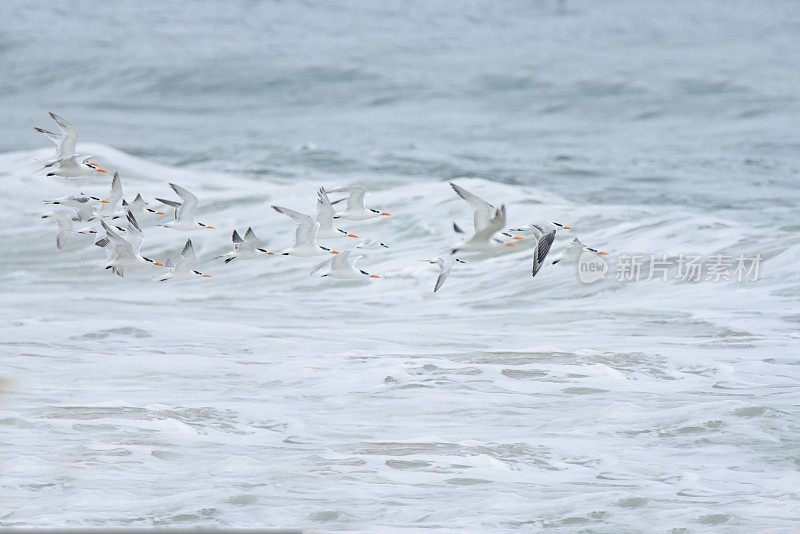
(172, 204)
(306, 226)
(496, 223)
(119, 245)
(69, 136)
(250, 237)
(444, 271)
(483, 211)
(188, 257)
(325, 210)
(134, 234)
(542, 250)
(116, 190)
(54, 137)
(356, 199)
(186, 211)
(341, 261)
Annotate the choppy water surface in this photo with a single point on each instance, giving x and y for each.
(262, 396)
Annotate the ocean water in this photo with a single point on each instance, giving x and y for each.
(265, 397)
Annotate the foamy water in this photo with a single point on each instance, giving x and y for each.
(266, 397)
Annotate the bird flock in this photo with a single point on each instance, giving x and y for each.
(113, 221)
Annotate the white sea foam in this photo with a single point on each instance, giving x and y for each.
(264, 396)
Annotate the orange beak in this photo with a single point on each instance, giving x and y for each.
(353, 235)
(566, 227)
(375, 276)
(603, 253)
(160, 213)
(209, 227)
(385, 214)
(518, 238)
(100, 169)
(104, 201)
(159, 264)
(510, 244)
(335, 252)
(206, 275)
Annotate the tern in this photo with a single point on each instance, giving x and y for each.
(573, 252)
(185, 268)
(124, 252)
(73, 166)
(342, 267)
(445, 265)
(482, 217)
(305, 241)
(184, 211)
(243, 249)
(356, 210)
(325, 215)
(65, 228)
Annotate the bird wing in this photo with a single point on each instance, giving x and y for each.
(250, 237)
(172, 204)
(541, 251)
(356, 199)
(119, 245)
(306, 226)
(496, 223)
(116, 190)
(341, 261)
(325, 210)
(69, 136)
(188, 257)
(188, 205)
(138, 202)
(444, 271)
(134, 234)
(483, 211)
(54, 137)
(64, 228)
